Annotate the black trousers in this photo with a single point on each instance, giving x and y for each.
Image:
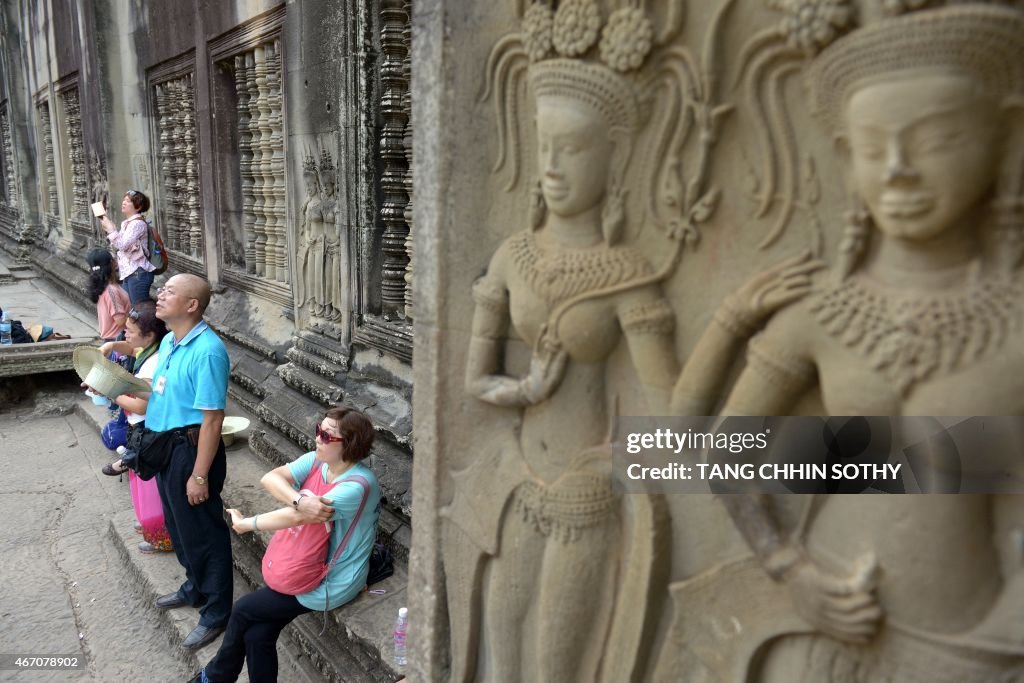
(256, 622)
(199, 533)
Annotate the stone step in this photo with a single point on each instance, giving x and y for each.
(313, 363)
(308, 383)
(5, 274)
(322, 347)
(158, 574)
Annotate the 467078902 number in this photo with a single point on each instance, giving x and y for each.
(22, 662)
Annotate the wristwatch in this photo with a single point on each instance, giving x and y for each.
(200, 479)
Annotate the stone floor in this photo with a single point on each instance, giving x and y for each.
(31, 299)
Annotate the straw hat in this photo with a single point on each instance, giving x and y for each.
(104, 376)
(232, 426)
(40, 332)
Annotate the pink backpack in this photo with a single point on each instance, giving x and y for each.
(295, 560)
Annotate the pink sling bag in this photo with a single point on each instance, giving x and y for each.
(296, 558)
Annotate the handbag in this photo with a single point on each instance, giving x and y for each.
(294, 561)
(147, 452)
(382, 564)
(115, 432)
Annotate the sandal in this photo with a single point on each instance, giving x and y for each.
(112, 471)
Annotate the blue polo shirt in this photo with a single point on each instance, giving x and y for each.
(191, 376)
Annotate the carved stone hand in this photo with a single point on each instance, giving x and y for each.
(547, 367)
(772, 289)
(844, 607)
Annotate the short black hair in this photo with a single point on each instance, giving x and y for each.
(357, 431)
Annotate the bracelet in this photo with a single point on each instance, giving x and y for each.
(254, 527)
(728, 315)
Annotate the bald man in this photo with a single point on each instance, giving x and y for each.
(190, 389)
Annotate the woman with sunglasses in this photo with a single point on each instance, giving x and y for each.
(343, 440)
(131, 242)
(143, 333)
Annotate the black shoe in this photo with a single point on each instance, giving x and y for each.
(170, 601)
(200, 636)
(112, 471)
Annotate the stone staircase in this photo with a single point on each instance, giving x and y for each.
(355, 646)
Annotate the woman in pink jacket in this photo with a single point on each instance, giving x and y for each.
(132, 242)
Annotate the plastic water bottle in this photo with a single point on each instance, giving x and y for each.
(401, 627)
(5, 330)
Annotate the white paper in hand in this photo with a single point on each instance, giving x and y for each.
(98, 209)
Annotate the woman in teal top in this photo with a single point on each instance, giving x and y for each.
(343, 440)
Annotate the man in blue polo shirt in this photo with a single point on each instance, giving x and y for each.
(189, 394)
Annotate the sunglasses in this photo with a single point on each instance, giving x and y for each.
(132, 193)
(326, 437)
(134, 315)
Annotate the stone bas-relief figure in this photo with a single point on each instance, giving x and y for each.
(534, 533)
(920, 316)
(319, 282)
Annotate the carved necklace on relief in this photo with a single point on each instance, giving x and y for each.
(911, 338)
(557, 274)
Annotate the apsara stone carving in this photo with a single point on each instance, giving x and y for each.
(921, 315)
(570, 565)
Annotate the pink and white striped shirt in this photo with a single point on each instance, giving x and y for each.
(131, 242)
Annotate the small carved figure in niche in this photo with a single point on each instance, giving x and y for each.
(566, 563)
(332, 304)
(922, 315)
(309, 256)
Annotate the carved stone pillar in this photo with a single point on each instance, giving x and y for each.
(8, 151)
(76, 153)
(48, 160)
(243, 66)
(277, 256)
(165, 157)
(191, 208)
(178, 188)
(394, 18)
(407, 142)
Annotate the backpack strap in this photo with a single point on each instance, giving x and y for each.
(361, 480)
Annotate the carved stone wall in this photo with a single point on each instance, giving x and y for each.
(180, 210)
(735, 207)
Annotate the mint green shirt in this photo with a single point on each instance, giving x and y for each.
(348, 577)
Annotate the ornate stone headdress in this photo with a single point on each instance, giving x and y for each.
(309, 163)
(847, 43)
(984, 41)
(616, 65)
(326, 163)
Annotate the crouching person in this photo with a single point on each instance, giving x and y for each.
(330, 484)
